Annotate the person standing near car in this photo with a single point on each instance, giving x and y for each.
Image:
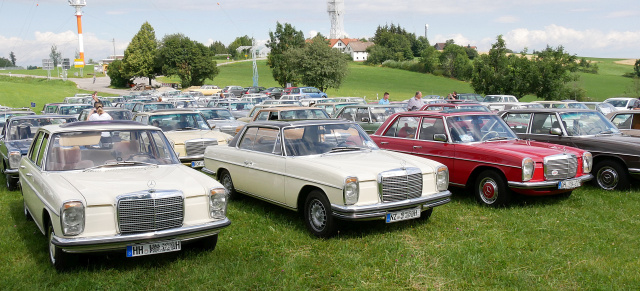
(416, 102)
(99, 113)
(385, 99)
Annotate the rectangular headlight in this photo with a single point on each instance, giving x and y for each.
(351, 190)
(14, 159)
(587, 162)
(528, 167)
(442, 178)
(217, 203)
(72, 218)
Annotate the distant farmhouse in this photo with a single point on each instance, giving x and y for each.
(355, 48)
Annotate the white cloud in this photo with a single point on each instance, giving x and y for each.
(506, 19)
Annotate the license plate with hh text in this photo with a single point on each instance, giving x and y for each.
(153, 248)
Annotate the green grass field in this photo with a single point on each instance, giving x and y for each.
(87, 72)
(586, 241)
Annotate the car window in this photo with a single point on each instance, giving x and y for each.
(348, 113)
(518, 122)
(586, 123)
(35, 146)
(261, 139)
(431, 126)
(404, 127)
(361, 114)
(622, 121)
(543, 123)
(42, 149)
(262, 116)
(475, 128)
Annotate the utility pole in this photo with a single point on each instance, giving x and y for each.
(114, 48)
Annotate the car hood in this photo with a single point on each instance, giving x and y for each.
(179, 137)
(608, 143)
(102, 186)
(21, 145)
(366, 165)
(523, 148)
(221, 123)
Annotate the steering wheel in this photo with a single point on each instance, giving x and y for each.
(488, 133)
(145, 155)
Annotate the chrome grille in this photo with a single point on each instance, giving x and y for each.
(562, 166)
(400, 184)
(197, 146)
(150, 212)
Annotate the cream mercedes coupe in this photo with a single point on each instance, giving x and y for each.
(116, 185)
(328, 170)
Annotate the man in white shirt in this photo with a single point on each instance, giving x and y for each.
(416, 102)
(99, 114)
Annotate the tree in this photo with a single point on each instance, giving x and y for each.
(55, 56)
(553, 72)
(455, 63)
(218, 48)
(238, 42)
(636, 67)
(285, 37)
(319, 65)
(139, 56)
(392, 43)
(430, 59)
(4, 62)
(491, 71)
(12, 56)
(190, 60)
(118, 74)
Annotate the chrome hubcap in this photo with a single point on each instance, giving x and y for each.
(226, 182)
(607, 178)
(488, 190)
(317, 215)
(52, 249)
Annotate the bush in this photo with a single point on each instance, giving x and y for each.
(412, 65)
(119, 77)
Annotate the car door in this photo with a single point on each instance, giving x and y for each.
(427, 146)
(540, 129)
(400, 135)
(31, 180)
(263, 163)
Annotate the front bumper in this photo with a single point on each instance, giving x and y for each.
(379, 211)
(548, 185)
(12, 172)
(108, 243)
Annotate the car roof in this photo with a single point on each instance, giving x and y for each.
(525, 110)
(169, 111)
(98, 126)
(33, 116)
(445, 113)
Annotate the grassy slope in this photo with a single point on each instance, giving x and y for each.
(20, 92)
(87, 72)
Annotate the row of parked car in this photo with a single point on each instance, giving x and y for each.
(123, 185)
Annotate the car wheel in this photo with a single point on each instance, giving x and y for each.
(426, 214)
(611, 175)
(12, 183)
(491, 189)
(58, 258)
(27, 215)
(225, 179)
(207, 243)
(317, 215)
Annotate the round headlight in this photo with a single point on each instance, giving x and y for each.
(587, 162)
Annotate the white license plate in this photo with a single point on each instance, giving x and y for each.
(197, 164)
(569, 184)
(153, 248)
(405, 214)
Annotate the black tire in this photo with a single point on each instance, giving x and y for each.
(227, 182)
(317, 215)
(426, 214)
(12, 183)
(611, 175)
(491, 189)
(58, 258)
(207, 243)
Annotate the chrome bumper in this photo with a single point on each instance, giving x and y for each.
(96, 244)
(379, 211)
(546, 184)
(189, 159)
(204, 169)
(11, 171)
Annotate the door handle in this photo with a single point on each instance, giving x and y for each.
(22, 167)
(384, 142)
(28, 174)
(417, 147)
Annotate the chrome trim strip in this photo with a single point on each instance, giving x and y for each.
(281, 173)
(11, 171)
(545, 184)
(204, 169)
(266, 199)
(191, 158)
(379, 210)
(78, 245)
(634, 171)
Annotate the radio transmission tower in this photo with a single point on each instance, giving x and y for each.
(336, 11)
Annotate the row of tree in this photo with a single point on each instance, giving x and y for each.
(174, 55)
(10, 62)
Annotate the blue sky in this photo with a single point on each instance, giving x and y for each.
(591, 28)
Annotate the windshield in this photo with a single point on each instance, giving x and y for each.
(121, 115)
(380, 114)
(220, 114)
(179, 121)
(91, 149)
(492, 99)
(587, 123)
(473, 128)
(304, 114)
(475, 108)
(152, 107)
(577, 105)
(320, 139)
(27, 128)
(236, 105)
(66, 110)
(186, 104)
(617, 102)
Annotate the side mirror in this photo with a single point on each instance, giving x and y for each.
(439, 137)
(556, 131)
(365, 119)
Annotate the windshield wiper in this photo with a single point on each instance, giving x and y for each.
(186, 128)
(122, 163)
(608, 131)
(498, 138)
(345, 149)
